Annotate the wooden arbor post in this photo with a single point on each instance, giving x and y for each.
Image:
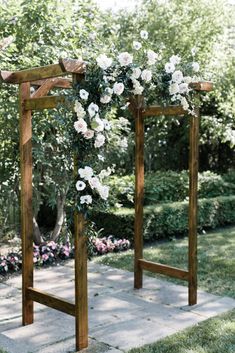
(45, 78)
(140, 264)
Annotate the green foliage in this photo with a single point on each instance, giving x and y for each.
(168, 219)
(170, 186)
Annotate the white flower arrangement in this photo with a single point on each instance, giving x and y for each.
(121, 75)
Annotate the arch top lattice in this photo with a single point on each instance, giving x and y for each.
(43, 79)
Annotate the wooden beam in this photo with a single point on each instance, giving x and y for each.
(26, 166)
(46, 102)
(45, 87)
(64, 67)
(202, 86)
(156, 110)
(193, 182)
(51, 301)
(60, 82)
(164, 269)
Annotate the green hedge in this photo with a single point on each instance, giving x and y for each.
(168, 219)
(170, 186)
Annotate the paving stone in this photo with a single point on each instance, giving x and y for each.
(8, 292)
(11, 346)
(214, 308)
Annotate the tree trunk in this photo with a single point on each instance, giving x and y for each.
(37, 236)
(60, 217)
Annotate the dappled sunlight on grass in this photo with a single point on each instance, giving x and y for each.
(216, 261)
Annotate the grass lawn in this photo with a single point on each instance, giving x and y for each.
(216, 260)
(216, 335)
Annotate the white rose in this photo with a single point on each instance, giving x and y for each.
(103, 61)
(94, 183)
(97, 124)
(123, 143)
(88, 134)
(177, 76)
(169, 68)
(183, 88)
(125, 59)
(195, 66)
(83, 94)
(103, 190)
(109, 91)
(107, 125)
(175, 59)
(188, 79)
(184, 103)
(146, 75)
(86, 199)
(118, 88)
(136, 72)
(78, 108)
(137, 45)
(138, 89)
(99, 141)
(174, 88)
(80, 185)
(85, 173)
(144, 34)
(93, 109)
(105, 99)
(80, 125)
(152, 57)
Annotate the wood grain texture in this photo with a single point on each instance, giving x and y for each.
(139, 190)
(164, 269)
(51, 301)
(202, 86)
(156, 110)
(193, 184)
(60, 82)
(41, 103)
(45, 87)
(73, 66)
(26, 202)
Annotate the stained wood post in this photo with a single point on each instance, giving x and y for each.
(139, 190)
(26, 202)
(193, 182)
(81, 290)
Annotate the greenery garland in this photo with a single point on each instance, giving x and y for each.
(110, 82)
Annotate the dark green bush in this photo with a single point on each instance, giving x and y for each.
(162, 187)
(169, 219)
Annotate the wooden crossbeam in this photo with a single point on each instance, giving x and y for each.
(46, 102)
(202, 86)
(156, 110)
(65, 66)
(51, 300)
(164, 269)
(60, 82)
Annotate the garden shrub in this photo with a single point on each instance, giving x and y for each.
(162, 187)
(168, 219)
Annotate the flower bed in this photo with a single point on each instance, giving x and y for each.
(52, 252)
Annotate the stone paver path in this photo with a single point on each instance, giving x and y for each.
(120, 318)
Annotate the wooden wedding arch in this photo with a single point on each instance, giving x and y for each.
(43, 79)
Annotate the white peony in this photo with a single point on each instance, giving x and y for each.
(86, 199)
(136, 72)
(137, 45)
(99, 141)
(80, 125)
(94, 182)
(152, 57)
(86, 173)
(97, 124)
(80, 185)
(144, 34)
(177, 76)
(78, 108)
(105, 99)
(195, 66)
(118, 88)
(175, 59)
(184, 88)
(125, 59)
(169, 68)
(103, 61)
(174, 88)
(89, 134)
(103, 190)
(93, 109)
(83, 94)
(146, 75)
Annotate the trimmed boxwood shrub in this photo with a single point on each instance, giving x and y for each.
(168, 219)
